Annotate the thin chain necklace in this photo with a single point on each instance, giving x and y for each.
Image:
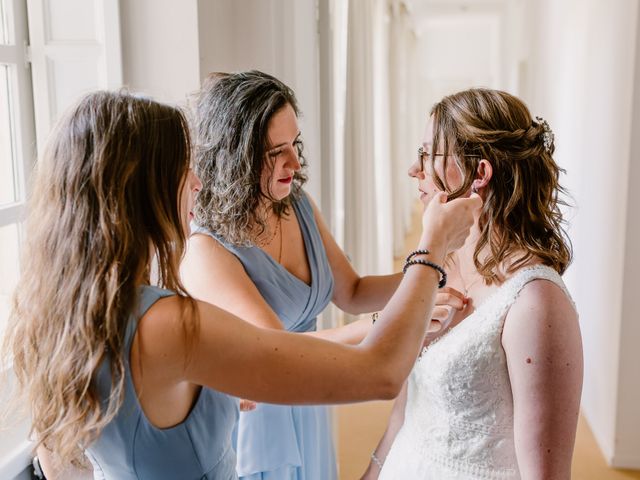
(281, 235)
(264, 243)
(465, 287)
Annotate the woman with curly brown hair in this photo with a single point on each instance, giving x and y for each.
(138, 376)
(257, 228)
(496, 396)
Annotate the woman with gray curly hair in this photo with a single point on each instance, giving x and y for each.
(257, 228)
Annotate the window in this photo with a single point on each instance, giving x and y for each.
(17, 140)
(60, 50)
(17, 155)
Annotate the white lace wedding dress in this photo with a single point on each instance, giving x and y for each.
(459, 413)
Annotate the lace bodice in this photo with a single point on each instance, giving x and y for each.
(459, 412)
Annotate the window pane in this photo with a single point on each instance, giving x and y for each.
(7, 172)
(9, 255)
(4, 23)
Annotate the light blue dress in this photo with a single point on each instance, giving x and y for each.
(131, 448)
(276, 442)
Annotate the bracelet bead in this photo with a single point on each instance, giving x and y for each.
(417, 252)
(419, 261)
(376, 460)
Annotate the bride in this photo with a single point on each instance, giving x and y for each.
(496, 396)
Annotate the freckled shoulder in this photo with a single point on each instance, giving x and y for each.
(541, 319)
(542, 298)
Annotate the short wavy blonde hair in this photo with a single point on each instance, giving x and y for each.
(521, 217)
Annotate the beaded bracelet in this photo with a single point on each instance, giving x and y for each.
(376, 460)
(419, 261)
(417, 252)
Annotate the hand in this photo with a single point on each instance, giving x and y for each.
(449, 222)
(448, 301)
(247, 405)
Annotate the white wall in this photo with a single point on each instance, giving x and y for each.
(582, 73)
(627, 451)
(279, 37)
(169, 47)
(459, 46)
(160, 47)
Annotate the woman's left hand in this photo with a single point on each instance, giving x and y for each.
(247, 405)
(448, 301)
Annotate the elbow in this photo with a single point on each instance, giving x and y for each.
(389, 385)
(346, 299)
(346, 304)
(391, 393)
(384, 377)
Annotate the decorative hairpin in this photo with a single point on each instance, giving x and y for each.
(547, 134)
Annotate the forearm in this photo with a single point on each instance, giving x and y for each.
(407, 315)
(352, 333)
(396, 420)
(368, 294)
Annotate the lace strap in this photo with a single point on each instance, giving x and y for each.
(526, 275)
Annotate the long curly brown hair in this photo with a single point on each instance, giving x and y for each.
(521, 217)
(105, 200)
(231, 121)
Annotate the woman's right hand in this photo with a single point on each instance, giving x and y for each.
(449, 222)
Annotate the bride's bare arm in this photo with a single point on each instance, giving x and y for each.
(542, 342)
(396, 419)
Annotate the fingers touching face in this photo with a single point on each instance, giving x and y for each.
(423, 170)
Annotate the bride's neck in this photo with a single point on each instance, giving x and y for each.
(464, 265)
(463, 257)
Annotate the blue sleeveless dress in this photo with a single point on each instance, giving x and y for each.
(276, 442)
(131, 448)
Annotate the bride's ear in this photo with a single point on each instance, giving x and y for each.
(484, 172)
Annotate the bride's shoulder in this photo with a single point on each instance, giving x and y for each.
(542, 310)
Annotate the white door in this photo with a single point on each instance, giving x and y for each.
(75, 48)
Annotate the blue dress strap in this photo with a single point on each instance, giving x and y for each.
(147, 296)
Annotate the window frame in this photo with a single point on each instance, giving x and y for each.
(21, 117)
(15, 447)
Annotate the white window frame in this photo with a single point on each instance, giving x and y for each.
(34, 112)
(22, 110)
(21, 113)
(15, 448)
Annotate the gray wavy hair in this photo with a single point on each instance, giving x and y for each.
(232, 114)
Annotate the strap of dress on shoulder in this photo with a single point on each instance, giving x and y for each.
(147, 296)
(536, 272)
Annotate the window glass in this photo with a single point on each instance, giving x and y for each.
(9, 255)
(4, 23)
(7, 160)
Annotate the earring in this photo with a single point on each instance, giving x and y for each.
(474, 189)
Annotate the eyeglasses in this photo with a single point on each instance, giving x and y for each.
(422, 154)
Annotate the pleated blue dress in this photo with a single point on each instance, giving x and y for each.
(276, 442)
(131, 448)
